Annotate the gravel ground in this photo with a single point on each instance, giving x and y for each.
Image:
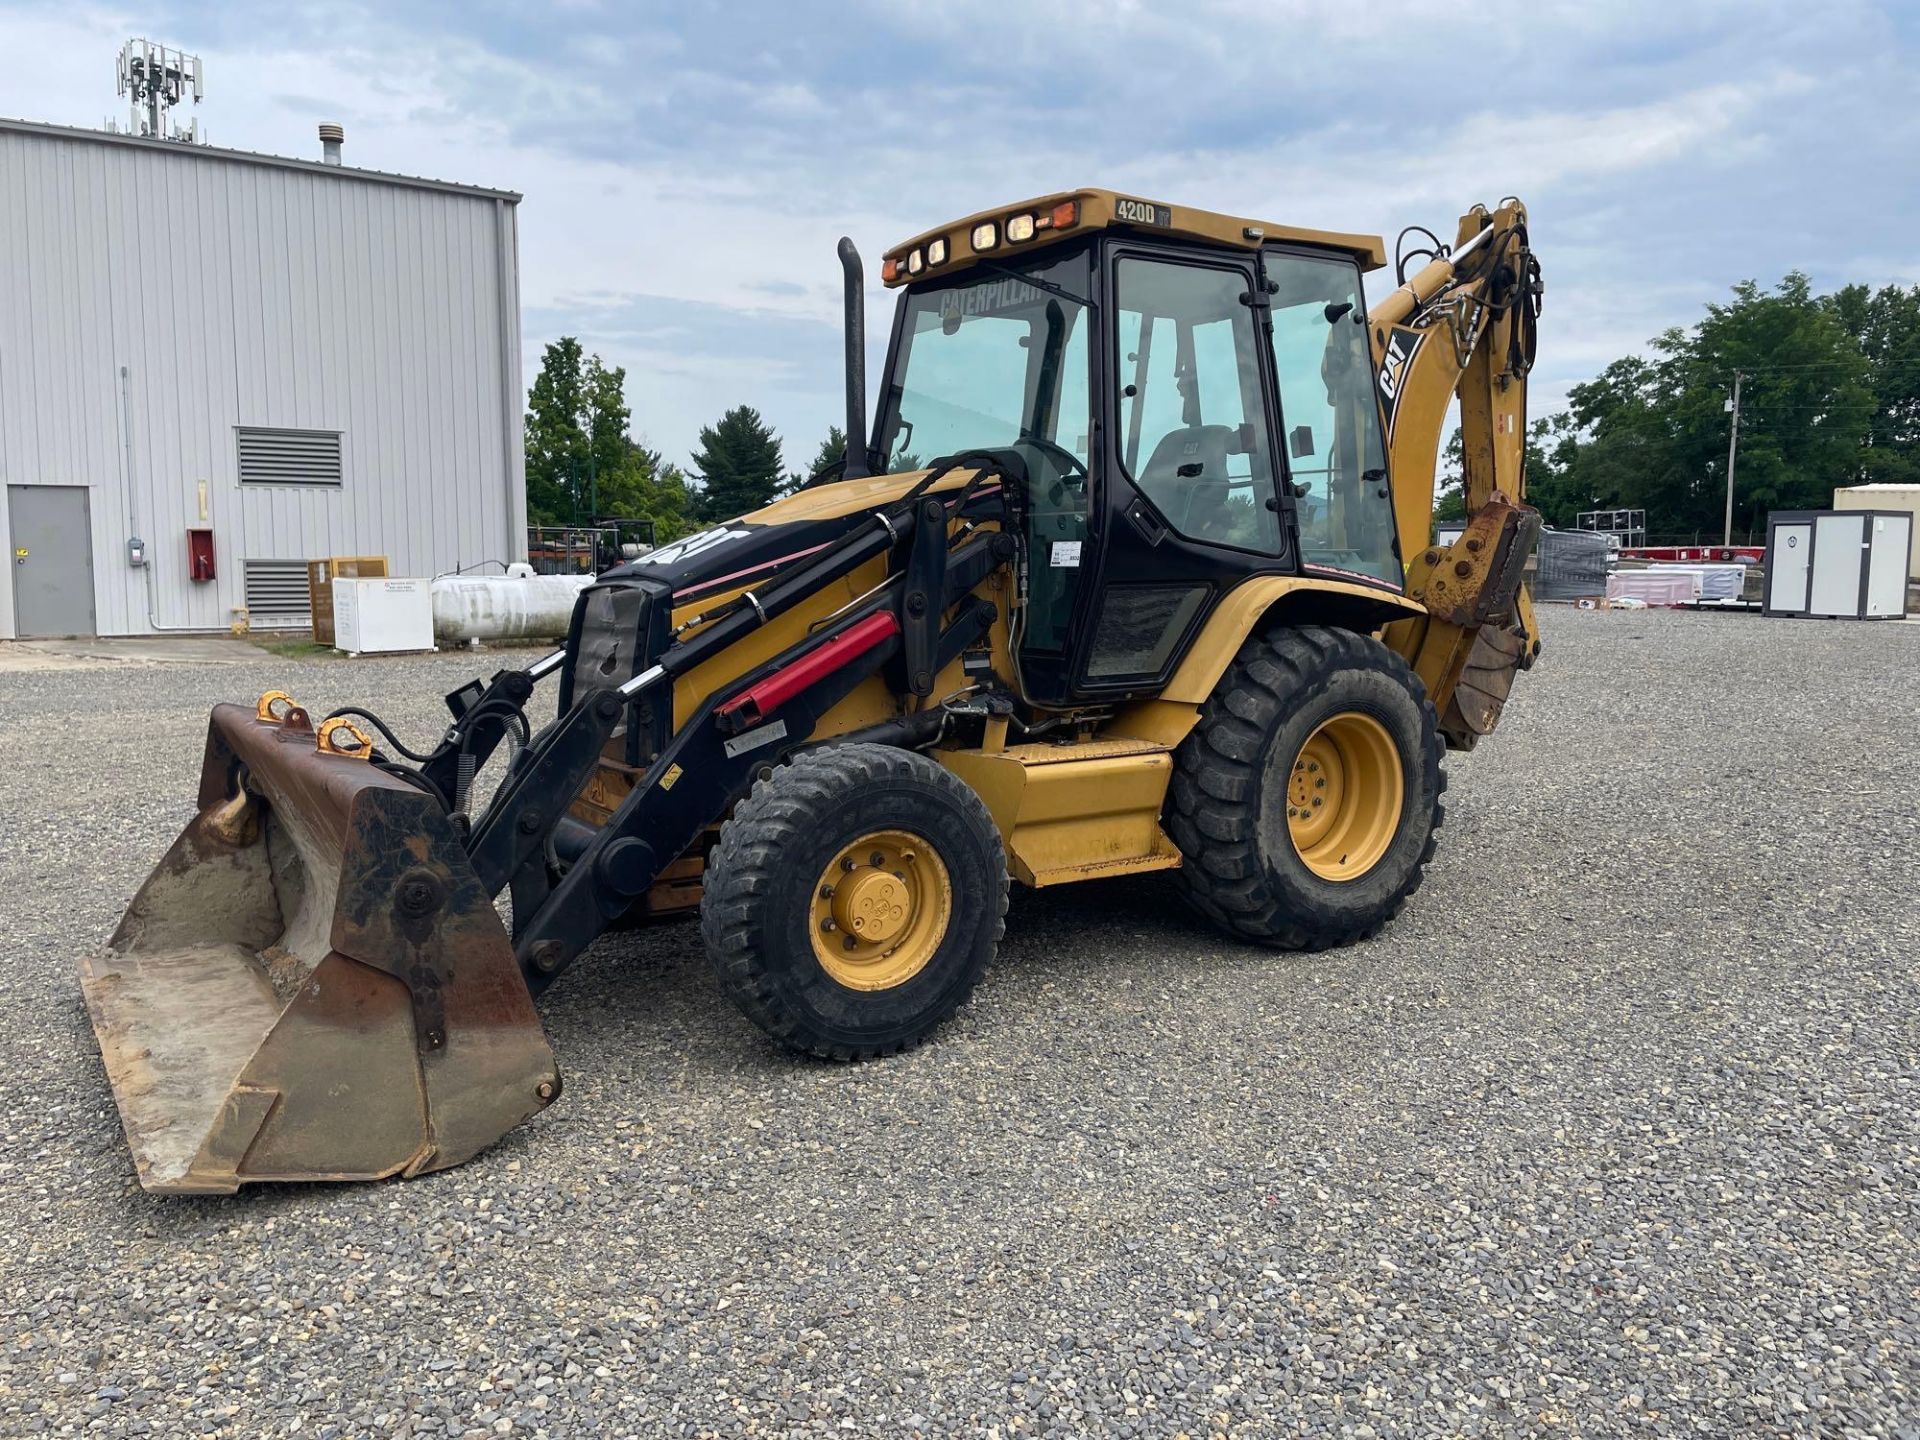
(1613, 1132)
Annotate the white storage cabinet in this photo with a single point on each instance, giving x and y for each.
(1838, 564)
(375, 617)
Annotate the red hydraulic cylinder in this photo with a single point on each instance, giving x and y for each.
(763, 697)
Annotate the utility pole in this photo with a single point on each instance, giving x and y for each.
(1733, 449)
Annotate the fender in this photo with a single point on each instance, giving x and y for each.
(1297, 599)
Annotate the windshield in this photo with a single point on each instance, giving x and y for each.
(996, 361)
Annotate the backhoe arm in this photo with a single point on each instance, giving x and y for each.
(1464, 326)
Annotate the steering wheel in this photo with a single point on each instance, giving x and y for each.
(1070, 462)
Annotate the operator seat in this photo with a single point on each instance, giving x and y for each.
(1186, 476)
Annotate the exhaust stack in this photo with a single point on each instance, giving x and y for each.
(332, 137)
(858, 461)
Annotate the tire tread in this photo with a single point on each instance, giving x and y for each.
(772, 821)
(1211, 810)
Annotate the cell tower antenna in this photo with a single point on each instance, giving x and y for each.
(155, 79)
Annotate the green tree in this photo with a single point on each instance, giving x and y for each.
(1449, 490)
(556, 442)
(832, 451)
(1886, 326)
(1651, 433)
(583, 464)
(642, 486)
(1543, 477)
(738, 463)
(1552, 488)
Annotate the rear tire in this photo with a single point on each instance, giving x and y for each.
(829, 951)
(1299, 858)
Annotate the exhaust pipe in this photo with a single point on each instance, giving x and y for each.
(859, 463)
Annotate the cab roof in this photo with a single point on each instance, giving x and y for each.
(1093, 209)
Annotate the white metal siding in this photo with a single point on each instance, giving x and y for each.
(233, 293)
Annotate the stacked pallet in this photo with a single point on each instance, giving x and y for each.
(1652, 587)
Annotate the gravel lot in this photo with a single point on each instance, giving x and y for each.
(1613, 1132)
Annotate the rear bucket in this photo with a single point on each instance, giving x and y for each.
(312, 985)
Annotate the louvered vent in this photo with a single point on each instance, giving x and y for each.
(289, 457)
(276, 588)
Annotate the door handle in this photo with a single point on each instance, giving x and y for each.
(1150, 528)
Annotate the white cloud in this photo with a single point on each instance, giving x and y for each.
(698, 164)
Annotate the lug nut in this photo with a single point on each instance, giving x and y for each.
(876, 859)
(826, 892)
(850, 943)
(545, 1090)
(827, 926)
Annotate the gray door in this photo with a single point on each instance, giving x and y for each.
(1787, 568)
(1839, 561)
(52, 560)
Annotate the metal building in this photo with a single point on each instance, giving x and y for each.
(217, 365)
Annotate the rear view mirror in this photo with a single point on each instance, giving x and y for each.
(1300, 441)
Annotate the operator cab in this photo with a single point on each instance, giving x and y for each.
(1193, 400)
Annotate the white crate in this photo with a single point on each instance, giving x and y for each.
(375, 617)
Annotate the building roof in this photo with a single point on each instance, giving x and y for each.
(1095, 209)
(249, 157)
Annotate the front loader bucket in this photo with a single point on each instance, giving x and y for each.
(313, 984)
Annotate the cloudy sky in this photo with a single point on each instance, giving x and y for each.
(688, 166)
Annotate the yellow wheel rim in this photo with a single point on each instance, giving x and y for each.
(1345, 796)
(880, 910)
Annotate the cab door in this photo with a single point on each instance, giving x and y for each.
(1193, 486)
(1330, 423)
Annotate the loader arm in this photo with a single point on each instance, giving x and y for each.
(1463, 326)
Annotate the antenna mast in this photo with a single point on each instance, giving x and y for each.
(156, 79)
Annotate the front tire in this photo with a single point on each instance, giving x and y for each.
(1306, 802)
(854, 900)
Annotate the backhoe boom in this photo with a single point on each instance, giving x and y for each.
(1463, 327)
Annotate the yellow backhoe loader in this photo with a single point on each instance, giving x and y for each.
(1135, 574)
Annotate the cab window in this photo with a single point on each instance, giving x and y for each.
(1190, 412)
(1330, 419)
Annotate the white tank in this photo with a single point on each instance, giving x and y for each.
(500, 607)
